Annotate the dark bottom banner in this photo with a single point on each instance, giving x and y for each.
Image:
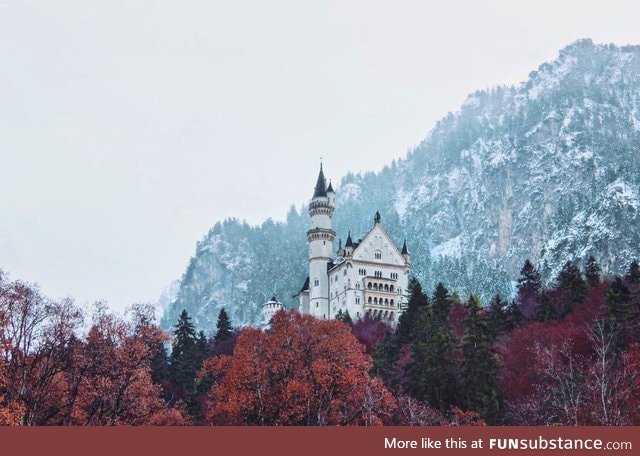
(330, 441)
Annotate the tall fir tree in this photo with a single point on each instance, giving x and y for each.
(622, 321)
(431, 372)
(416, 308)
(529, 287)
(224, 330)
(545, 310)
(633, 273)
(441, 303)
(480, 386)
(572, 286)
(497, 317)
(592, 272)
(185, 360)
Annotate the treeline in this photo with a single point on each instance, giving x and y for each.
(566, 354)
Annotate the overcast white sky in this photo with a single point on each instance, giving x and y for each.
(128, 128)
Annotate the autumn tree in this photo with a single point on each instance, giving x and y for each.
(303, 371)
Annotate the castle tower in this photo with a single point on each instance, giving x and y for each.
(320, 238)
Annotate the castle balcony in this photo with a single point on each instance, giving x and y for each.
(381, 300)
(380, 285)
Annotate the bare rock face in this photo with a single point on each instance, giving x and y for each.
(548, 170)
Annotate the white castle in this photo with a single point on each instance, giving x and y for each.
(367, 277)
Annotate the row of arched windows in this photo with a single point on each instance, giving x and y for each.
(380, 287)
(382, 314)
(379, 301)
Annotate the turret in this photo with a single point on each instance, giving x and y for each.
(405, 252)
(320, 238)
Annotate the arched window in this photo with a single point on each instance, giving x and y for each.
(375, 300)
(391, 302)
(369, 285)
(386, 302)
(386, 287)
(369, 300)
(391, 288)
(378, 255)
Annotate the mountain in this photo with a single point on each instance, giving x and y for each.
(548, 170)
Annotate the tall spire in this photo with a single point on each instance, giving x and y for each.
(404, 248)
(349, 240)
(330, 187)
(320, 189)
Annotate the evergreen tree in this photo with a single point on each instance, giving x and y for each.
(497, 317)
(572, 286)
(185, 360)
(621, 319)
(633, 273)
(224, 329)
(592, 272)
(479, 382)
(529, 286)
(431, 373)
(442, 303)
(385, 355)
(416, 307)
(344, 317)
(545, 311)
(515, 318)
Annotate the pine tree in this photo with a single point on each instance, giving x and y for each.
(185, 361)
(441, 303)
(223, 327)
(515, 318)
(344, 317)
(416, 307)
(497, 316)
(529, 286)
(431, 373)
(621, 319)
(479, 382)
(633, 273)
(572, 286)
(592, 272)
(545, 311)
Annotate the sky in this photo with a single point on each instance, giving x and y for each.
(128, 128)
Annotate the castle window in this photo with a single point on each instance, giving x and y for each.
(357, 299)
(344, 273)
(391, 288)
(316, 282)
(391, 302)
(369, 300)
(369, 285)
(375, 286)
(386, 302)
(357, 285)
(375, 300)
(378, 254)
(386, 287)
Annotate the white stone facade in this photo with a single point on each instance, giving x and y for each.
(366, 277)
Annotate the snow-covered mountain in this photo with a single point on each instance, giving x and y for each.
(548, 170)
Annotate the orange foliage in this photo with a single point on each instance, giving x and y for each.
(303, 371)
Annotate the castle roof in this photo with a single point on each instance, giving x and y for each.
(320, 189)
(330, 188)
(349, 241)
(404, 248)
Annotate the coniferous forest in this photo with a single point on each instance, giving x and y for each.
(566, 354)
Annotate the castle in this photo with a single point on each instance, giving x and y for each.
(367, 277)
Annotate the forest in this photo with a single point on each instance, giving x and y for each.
(563, 354)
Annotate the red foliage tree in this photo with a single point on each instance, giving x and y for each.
(303, 371)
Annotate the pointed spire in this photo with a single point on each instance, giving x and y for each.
(320, 189)
(376, 218)
(349, 241)
(330, 187)
(404, 248)
(339, 245)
